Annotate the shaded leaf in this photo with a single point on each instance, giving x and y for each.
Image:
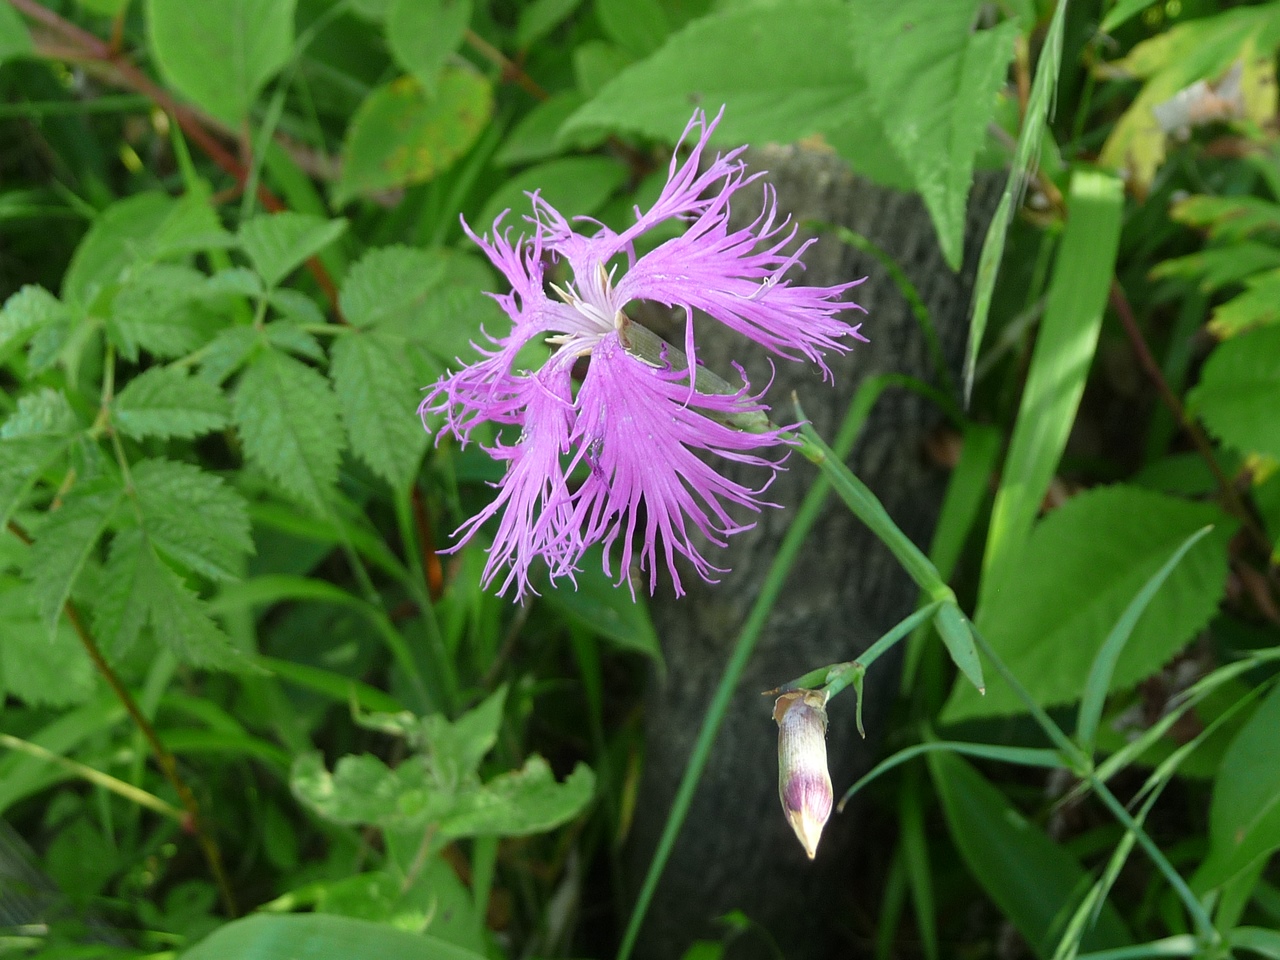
(15, 39)
(193, 517)
(320, 936)
(221, 53)
(288, 419)
(423, 34)
(35, 667)
(400, 136)
(27, 311)
(1239, 391)
(277, 243)
(169, 402)
(521, 802)
(576, 186)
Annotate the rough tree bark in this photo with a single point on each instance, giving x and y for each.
(736, 851)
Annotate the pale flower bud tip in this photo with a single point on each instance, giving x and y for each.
(804, 785)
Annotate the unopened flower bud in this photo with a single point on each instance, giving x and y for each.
(804, 785)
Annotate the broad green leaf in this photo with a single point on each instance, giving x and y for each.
(64, 542)
(1244, 818)
(378, 395)
(423, 34)
(1261, 940)
(319, 936)
(159, 310)
(15, 39)
(521, 802)
(1229, 219)
(169, 402)
(364, 790)
(436, 904)
(34, 667)
(638, 26)
(535, 136)
(596, 602)
(388, 282)
(221, 53)
(1025, 159)
(540, 17)
(457, 748)
(288, 420)
(596, 63)
(1074, 577)
(935, 95)
(576, 186)
(399, 136)
(1239, 392)
(277, 243)
(1095, 688)
(193, 517)
(1032, 880)
(371, 9)
(1122, 11)
(1059, 368)
(27, 311)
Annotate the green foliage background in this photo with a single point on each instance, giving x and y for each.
(237, 677)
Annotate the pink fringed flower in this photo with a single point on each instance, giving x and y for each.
(639, 422)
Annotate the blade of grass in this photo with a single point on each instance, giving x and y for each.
(1104, 664)
(1059, 366)
(1039, 106)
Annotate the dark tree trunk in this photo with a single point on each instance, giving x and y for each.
(736, 851)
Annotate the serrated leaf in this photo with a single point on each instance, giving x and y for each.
(389, 281)
(1239, 392)
(64, 542)
(1033, 880)
(27, 311)
(521, 802)
(1220, 267)
(227, 351)
(378, 397)
(158, 310)
(277, 243)
(935, 95)
(15, 39)
(288, 420)
(1228, 219)
(39, 669)
(1074, 577)
(120, 612)
(1254, 308)
(32, 440)
(193, 517)
(423, 34)
(220, 53)
(169, 402)
(399, 136)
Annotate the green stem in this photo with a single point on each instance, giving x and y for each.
(792, 543)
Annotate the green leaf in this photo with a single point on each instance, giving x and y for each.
(1255, 307)
(1060, 365)
(1244, 818)
(576, 186)
(1239, 391)
(1072, 580)
(364, 790)
(539, 18)
(158, 310)
(221, 53)
(288, 420)
(36, 668)
(27, 311)
(521, 802)
(1122, 11)
(804, 77)
(596, 63)
(169, 402)
(112, 242)
(457, 748)
(64, 542)
(399, 136)
(935, 95)
(596, 602)
(535, 137)
(1032, 880)
(32, 440)
(378, 395)
(1034, 126)
(193, 517)
(15, 39)
(423, 34)
(388, 282)
(1100, 673)
(1219, 267)
(638, 26)
(319, 936)
(277, 243)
